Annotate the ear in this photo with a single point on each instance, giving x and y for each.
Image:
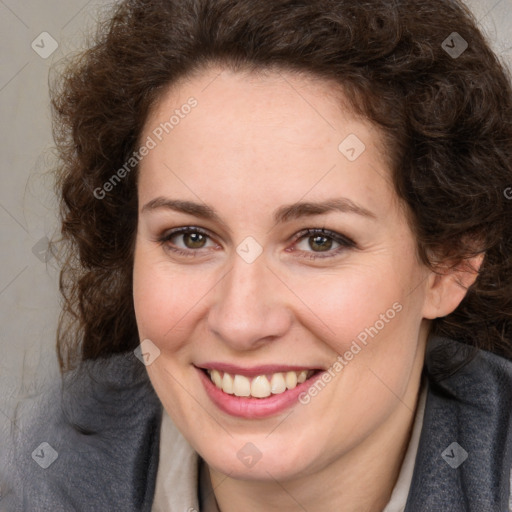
(448, 284)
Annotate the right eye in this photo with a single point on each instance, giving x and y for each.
(185, 241)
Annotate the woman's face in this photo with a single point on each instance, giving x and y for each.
(228, 278)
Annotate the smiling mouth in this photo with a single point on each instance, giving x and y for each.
(261, 386)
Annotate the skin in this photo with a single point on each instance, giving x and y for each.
(253, 144)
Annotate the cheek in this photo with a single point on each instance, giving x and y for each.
(166, 302)
(357, 303)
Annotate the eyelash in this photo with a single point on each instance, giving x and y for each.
(344, 242)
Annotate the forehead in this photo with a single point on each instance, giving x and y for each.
(278, 133)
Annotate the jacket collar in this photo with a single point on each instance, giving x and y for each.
(465, 452)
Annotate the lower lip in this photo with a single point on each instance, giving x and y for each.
(251, 408)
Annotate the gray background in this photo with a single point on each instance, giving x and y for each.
(29, 298)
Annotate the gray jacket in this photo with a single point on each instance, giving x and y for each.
(92, 444)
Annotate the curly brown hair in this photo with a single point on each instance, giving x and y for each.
(446, 117)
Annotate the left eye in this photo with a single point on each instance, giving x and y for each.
(315, 241)
(319, 243)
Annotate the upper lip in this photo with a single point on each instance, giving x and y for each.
(254, 371)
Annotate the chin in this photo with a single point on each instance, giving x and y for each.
(259, 460)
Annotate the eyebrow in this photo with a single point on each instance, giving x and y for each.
(282, 214)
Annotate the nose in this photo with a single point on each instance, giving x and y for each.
(249, 307)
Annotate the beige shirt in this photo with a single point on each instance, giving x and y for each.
(182, 478)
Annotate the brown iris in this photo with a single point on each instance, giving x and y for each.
(197, 240)
(323, 243)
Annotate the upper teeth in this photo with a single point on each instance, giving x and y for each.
(260, 386)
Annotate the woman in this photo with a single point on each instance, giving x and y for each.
(295, 215)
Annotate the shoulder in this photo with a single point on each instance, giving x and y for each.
(483, 367)
(465, 452)
(91, 443)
